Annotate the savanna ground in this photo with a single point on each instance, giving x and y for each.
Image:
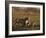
(33, 15)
